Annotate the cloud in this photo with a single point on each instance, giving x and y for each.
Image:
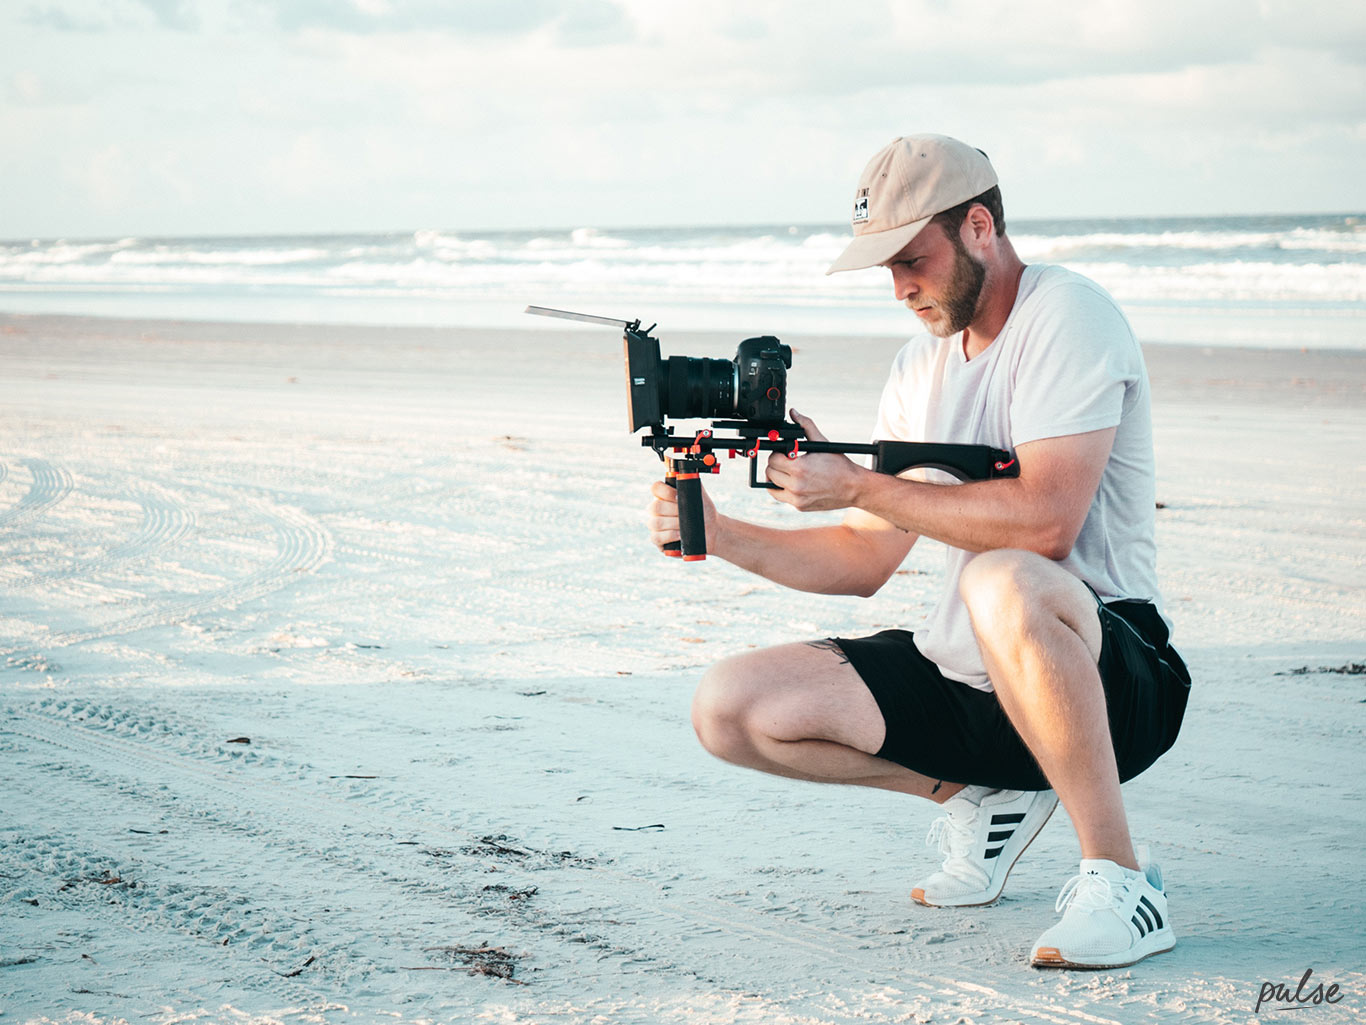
(577, 22)
(112, 16)
(468, 16)
(71, 17)
(841, 50)
(593, 23)
(26, 88)
(320, 113)
(180, 15)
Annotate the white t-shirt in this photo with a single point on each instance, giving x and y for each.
(1066, 362)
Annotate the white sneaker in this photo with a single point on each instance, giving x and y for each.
(1112, 917)
(981, 834)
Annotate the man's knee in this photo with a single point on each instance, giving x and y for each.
(1010, 593)
(1001, 585)
(719, 708)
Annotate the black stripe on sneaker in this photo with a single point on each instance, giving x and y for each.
(1149, 905)
(1139, 926)
(993, 852)
(1146, 919)
(1013, 819)
(1003, 835)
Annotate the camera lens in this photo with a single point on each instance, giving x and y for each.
(700, 387)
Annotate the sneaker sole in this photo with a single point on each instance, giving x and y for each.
(972, 901)
(1052, 957)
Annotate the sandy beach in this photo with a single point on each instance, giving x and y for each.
(339, 683)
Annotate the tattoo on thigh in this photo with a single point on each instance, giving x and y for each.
(830, 644)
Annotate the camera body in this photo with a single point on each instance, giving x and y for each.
(751, 388)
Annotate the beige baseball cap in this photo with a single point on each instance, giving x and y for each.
(904, 185)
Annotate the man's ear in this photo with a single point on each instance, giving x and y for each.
(978, 226)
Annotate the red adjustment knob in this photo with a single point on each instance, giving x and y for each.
(772, 435)
(709, 459)
(773, 394)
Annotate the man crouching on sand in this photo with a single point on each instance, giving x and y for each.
(1044, 672)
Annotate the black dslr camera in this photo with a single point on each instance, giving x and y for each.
(747, 396)
(752, 387)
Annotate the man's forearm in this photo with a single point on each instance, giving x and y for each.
(833, 559)
(978, 516)
(1042, 510)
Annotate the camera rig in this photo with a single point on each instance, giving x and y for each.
(748, 396)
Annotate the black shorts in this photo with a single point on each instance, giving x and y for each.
(948, 730)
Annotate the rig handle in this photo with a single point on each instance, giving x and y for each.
(683, 476)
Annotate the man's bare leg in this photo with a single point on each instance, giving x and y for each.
(801, 711)
(1040, 637)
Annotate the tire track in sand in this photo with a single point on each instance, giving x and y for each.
(164, 523)
(263, 945)
(271, 911)
(302, 544)
(48, 485)
(297, 814)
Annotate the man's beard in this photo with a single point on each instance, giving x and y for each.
(959, 304)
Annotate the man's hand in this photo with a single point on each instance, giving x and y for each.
(661, 516)
(814, 481)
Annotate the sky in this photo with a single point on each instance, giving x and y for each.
(249, 117)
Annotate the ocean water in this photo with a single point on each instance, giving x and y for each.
(1279, 281)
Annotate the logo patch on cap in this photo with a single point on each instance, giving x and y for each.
(861, 207)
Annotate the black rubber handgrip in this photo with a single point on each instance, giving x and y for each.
(692, 527)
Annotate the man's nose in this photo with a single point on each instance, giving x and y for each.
(902, 283)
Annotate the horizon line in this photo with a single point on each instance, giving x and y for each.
(1347, 215)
